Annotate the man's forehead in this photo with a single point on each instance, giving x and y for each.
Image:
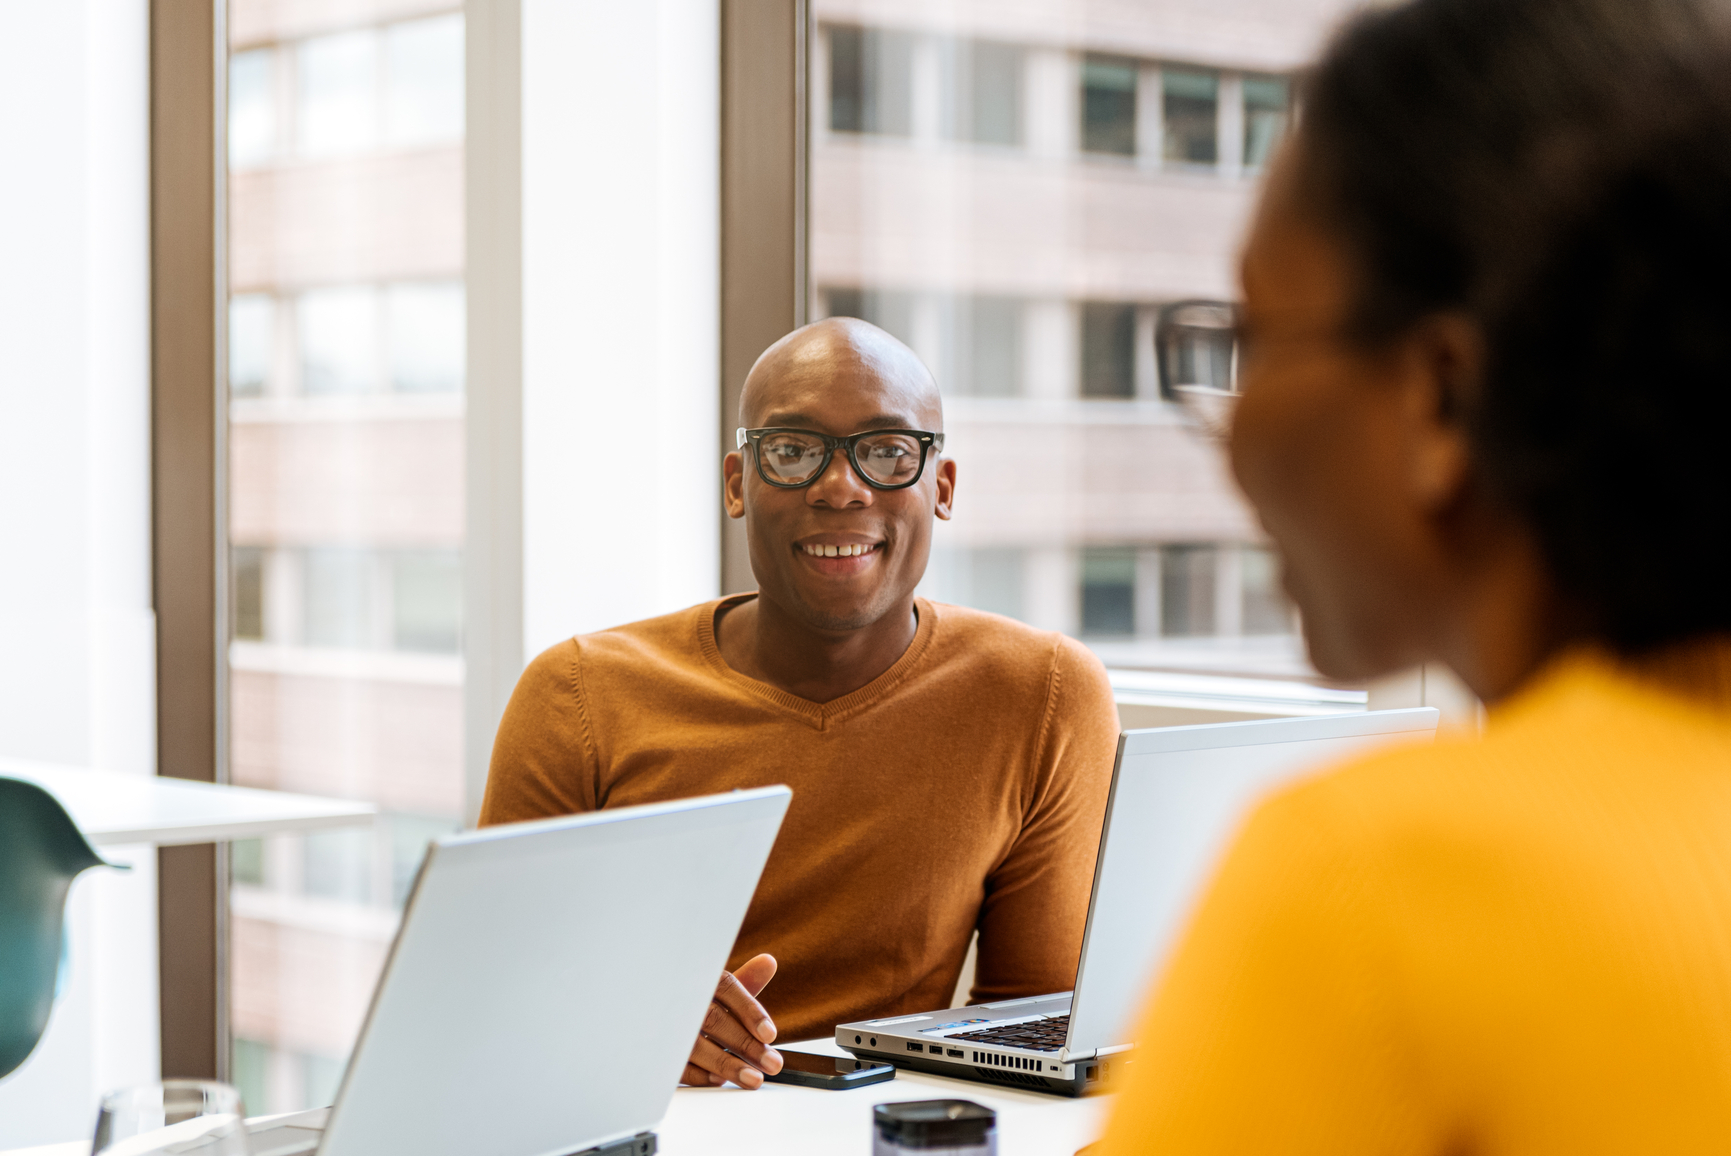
(821, 393)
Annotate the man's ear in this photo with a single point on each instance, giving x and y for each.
(733, 484)
(1445, 361)
(946, 488)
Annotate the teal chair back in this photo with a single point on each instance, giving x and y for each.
(41, 852)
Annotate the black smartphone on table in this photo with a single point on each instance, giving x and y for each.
(810, 1070)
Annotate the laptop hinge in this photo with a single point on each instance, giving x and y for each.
(642, 1144)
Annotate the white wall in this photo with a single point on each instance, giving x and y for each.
(621, 245)
(76, 631)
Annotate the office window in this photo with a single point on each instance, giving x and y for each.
(251, 341)
(424, 81)
(991, 347)
(1108, 592)
(1265, 111)
(891, 310)
(246, 603)
(982, 92)
(1192, 104)
(339, 339)
(870, 81)
(1109, 105)
(1266, 610)
(996, 580)
(252, 119)
(337, 84)
(425, 326)
(1108, 349)
(339, 865)
(1187, 575)
(1026, 275)
(346, 500)
(408, 836)
(427, 601)
(246, 862)
(341, 587)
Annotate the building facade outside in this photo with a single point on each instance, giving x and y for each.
(1014, 189)
(346, 340)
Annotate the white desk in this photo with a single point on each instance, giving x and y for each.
(779, 1119)
(113, 808)
(782, 1120)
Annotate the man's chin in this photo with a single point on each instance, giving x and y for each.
(842, 616)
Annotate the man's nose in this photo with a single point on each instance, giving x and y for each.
(840, 485)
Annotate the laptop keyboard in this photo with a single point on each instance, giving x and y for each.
(1045, 1035)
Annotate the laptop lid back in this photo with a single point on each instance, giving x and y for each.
(1178, 795)
(549, 978)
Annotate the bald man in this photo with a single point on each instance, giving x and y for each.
(949, 767)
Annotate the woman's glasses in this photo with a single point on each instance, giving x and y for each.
(885, 459)
(1197, 351)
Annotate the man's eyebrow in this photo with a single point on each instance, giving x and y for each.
(807, 421)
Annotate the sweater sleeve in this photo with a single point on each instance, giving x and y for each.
(1036, 901)
(1274, 1027)
(543, 760)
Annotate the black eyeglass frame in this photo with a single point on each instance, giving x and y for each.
(928, 441)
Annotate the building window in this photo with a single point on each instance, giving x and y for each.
(982, 92)
(1108, 349)
(1266, 610)
(870, 81)
(423, 87)
(1265, 105)
(424, 336)
(989, 345)
(339, 339)
(1109, 105)
(252, 121)
(251, 337)
(427, 601)
(337, 86)
(1191, 100)
(246, 603)
(1108, 593)
(1187, 575)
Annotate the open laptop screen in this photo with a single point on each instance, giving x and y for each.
(1178, 795)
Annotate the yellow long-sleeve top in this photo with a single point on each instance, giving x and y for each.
(1520, 944)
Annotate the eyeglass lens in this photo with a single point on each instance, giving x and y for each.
(793, 459)
(1200, 348)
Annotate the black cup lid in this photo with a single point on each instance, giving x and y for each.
(934, 1123)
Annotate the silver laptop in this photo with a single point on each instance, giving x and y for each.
(546, 984)
(1178, 794)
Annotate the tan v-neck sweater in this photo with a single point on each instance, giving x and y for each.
(962, 788)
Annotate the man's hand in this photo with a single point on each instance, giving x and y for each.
(737, 1032)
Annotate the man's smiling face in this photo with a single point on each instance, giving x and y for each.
(838, 553)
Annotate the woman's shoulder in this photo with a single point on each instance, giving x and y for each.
(1582, 755)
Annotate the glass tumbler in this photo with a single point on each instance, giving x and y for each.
(183, 1117)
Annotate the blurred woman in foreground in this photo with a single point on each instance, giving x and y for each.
(1487, 400)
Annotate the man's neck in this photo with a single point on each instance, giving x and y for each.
(761, 640)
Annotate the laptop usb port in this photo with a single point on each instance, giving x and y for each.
(956, 1052)
(916, 1047)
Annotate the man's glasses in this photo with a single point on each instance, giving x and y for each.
(885, 459)
(1196, 348)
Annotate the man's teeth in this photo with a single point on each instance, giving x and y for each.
(838, 551)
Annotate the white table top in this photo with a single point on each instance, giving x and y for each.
(779, 1119)
(783, 1120)
(111, 807)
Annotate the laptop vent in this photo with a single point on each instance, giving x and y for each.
(1020, 1078)
(996, 1060)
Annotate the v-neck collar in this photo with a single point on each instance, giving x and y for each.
(819, 715)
